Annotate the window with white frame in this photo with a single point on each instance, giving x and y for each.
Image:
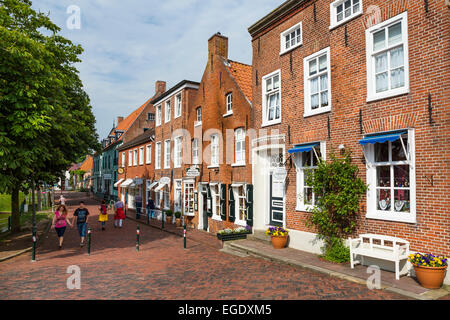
(150, 116)
(387, 58)
(199, 115)
(123, 159)
(271, 98)
(141, 156)
(158, 115)
(178, 195)
(177, 155)
(166, 154)
(215, 194)
(158, 156)
(240, 204)
(391, 179)
(214, 150)
(291, 38)
(166, 197)
(239, 138)
(229, 98)
(135, 157)
(306, 162)
(130, 158)
(148, 154)
(317, 82)
(344, 10)
(177, 106)
(167, 111)
(195, 151)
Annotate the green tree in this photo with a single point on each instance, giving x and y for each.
(46, 119)
(340, 189)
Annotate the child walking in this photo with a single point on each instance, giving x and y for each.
(119, 216)
(103, 216)
(60, 222)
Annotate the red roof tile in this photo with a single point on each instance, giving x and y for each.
(242, 73)
(126, 123)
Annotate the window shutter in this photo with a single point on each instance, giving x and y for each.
(223, 202)
(249, 204)
(231, 204)
(208, 201)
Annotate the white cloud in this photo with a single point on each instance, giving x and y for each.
(131, 44)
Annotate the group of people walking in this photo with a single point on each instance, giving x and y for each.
(81, 217)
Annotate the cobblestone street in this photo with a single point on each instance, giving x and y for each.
(162, 269)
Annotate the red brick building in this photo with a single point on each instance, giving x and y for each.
(371, 77)
(171, 146)
(218, 124)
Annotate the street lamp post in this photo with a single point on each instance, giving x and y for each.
(33, 256)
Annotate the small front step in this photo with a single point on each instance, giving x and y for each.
(233, 251)
(259, 235)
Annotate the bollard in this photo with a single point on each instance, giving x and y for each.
(137, 238)
(184, 234)
(9, 223)
(162, 218)
(33, 254)
(148, 216)
(89, 241)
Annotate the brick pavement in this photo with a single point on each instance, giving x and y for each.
(162, 269)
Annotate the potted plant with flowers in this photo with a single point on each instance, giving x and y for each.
(279, 237)
(430, 269)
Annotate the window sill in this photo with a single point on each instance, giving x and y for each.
(228, 114)
(198, 124)
(291, 49)
(337, 24)
(268, 124)
(386, 95)
(216, 218)
(240, 223)
(314, 113)
(234, 165)
(213, 167)
(379, 215)
(303, 209)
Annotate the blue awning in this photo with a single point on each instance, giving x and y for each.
(303, 147)
(381, 138)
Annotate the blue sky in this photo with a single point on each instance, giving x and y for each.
(131, 44)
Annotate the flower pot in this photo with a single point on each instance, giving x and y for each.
(178, 222)
(279, 242)
(430, 277)
(169, 219)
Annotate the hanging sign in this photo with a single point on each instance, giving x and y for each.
(164, 180)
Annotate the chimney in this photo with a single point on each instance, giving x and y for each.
(119, 120)
(218, 45)
(160, 87)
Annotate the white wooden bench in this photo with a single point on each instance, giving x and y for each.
(397, 252)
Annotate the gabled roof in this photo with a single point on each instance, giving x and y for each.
(147, 136)
(242, 73)
(87, 164)
(126, 123)
(188, 83)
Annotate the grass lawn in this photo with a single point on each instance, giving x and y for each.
(5, 201)
(25, 218)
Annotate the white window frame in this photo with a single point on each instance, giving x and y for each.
(148, 154)
(372, 95)
(158, 115)
(178, 195)
(237, 208)
(239, 139)
(307, 90)
(178, 106)
(135, 157)
(157, 199)
(333, 12)
(130, 158)
(214, 150)
(141, 156)
(371, 174)
(166, 196)
(167, 154)
(167, 111)
(123, 159)
(158, 156)
(266, 122)
(229, 103)
(177, 152)
(195, 154)
(288, 32)
(197, 121)
(215, 195)
(300, 170)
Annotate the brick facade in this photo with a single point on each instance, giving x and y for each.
(429, 80)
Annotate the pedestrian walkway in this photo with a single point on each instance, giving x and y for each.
(406, 285)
